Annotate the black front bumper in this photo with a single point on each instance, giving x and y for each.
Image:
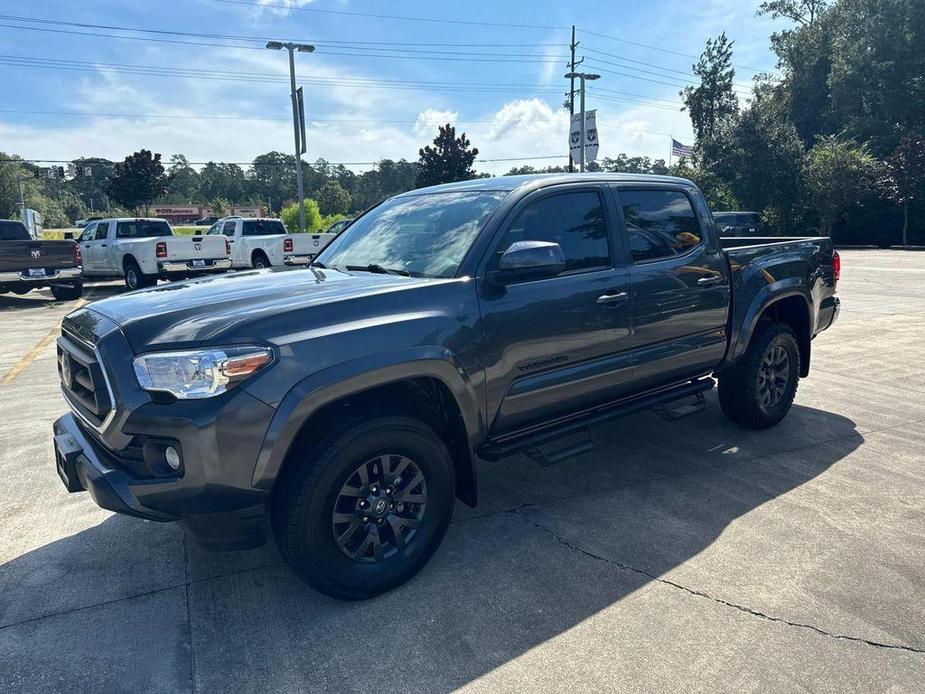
(83, 464)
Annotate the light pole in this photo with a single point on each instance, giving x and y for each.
(292, 48)
(582, 76)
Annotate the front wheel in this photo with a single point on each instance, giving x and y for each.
(67, 292)
(758, 391)
(367, 507)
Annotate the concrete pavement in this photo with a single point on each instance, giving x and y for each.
(687, 555)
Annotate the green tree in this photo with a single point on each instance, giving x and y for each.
(290, 216)
(182, 180)
(220, 180)
(839, 174)
(138, 180)
(92, 188)
(450, 159)
(903, 178)
(712, 104)
(272, 178)
(766, 162)
(714, 188)
(333, 199)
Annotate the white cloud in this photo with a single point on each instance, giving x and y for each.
(430, 119)
(282, 7)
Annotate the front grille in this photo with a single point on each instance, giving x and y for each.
(82, 379)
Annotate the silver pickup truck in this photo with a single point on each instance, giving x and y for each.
(144, 250)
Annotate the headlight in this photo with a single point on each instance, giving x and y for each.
(200, 373)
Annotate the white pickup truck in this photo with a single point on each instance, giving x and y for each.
(260, 243)
(144, 250)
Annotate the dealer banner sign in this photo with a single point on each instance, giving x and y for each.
(591, 143)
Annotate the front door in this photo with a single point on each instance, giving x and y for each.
(88, 246)
(680, 283)
(559, 343)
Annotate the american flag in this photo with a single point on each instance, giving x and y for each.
(679, 150)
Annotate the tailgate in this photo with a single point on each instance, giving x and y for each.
(195, 247)
(310, 244)
(17, 256)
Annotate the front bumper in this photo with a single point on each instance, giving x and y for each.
(70, 274)
(211, 495)
(174, 266)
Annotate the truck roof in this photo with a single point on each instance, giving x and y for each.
(131, 219)
(508, 184)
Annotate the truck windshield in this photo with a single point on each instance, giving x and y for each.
(421, 235)
(142, 229)
(11, 230)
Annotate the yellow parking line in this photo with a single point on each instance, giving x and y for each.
(33, 353)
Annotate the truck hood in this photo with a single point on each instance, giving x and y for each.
(239, 306)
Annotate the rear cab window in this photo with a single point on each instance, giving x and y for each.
(263, 227)
(660, 224)
(142, 229)
(11, 230)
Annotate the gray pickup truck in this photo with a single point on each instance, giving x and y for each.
(27, 263)
(350, 401)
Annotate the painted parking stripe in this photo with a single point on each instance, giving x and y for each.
(34, 353)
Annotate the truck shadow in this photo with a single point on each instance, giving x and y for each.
(551, 549)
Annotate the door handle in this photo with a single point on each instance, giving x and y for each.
(709, 281)
(102, 245)
(606, 299)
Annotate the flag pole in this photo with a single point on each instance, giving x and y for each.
(670, 149)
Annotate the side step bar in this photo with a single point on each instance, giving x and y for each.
(530, 437)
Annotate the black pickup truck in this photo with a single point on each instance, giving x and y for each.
(349, 401)
(27, 263)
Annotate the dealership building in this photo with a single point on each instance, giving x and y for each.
(181, 214)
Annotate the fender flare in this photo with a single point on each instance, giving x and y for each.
(766, 297)
(355, 376)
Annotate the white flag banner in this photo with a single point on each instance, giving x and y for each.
(591, 142)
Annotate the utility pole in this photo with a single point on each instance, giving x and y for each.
(292, 48)
(571, 93)
(582, 76)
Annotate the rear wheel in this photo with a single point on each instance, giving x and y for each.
(759, 390)
(135, 278)
(260, 261)
(67, 292)
(367, 507)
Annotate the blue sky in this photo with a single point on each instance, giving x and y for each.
(368, 96)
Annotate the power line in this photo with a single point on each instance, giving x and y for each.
(660, 49)
(158, 116)
(433, 20)
(253, 163)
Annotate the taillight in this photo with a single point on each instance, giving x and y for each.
(287, 246)
(160, 250)
(77, 259)
(227, 247)
(836, 263)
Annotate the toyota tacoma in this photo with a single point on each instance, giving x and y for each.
(347, 403)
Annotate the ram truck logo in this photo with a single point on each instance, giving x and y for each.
(36, 252)
(198, 246)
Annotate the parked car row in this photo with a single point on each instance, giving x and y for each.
(141, 251)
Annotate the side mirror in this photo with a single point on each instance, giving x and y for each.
(530, 260)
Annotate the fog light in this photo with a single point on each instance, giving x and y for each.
(172, 457)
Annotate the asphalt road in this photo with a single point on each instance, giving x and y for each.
(678, 556)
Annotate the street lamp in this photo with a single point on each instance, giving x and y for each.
(292, 48)
(590, 76)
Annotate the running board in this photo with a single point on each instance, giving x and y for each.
(546, 433)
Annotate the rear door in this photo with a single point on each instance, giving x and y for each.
(680, 282)
(559, 343)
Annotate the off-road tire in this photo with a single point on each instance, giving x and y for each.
(740, 387)
(302, 507)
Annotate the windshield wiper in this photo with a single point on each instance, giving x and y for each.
(317, 263)
(379, 269)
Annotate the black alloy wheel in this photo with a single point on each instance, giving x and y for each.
(379, 508)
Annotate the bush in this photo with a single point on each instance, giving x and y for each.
(313, 220)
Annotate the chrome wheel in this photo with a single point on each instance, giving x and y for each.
(379, 508)
(773, 376)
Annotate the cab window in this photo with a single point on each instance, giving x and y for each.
(573, 220)
(659, 224)
(228, 229)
